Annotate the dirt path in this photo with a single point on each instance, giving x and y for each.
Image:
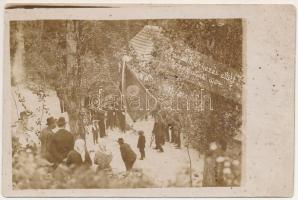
(165, 168)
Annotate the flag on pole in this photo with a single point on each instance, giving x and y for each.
(137, 99)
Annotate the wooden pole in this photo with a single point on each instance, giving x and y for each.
(122, 85)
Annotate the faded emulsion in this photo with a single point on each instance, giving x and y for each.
(126, 103)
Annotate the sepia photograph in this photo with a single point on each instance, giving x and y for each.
(126, 103)
(159, 101)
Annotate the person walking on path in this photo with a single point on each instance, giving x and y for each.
(127, 154)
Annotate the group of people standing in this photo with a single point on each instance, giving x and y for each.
(62, 147)
(162, 132)
(166, 132)
(115, 119)
(58, 145)
(97, 131)
(101, 121)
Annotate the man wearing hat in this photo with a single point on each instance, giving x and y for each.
(128, 155)
(141, 144)
(62, 142)
(45, 137)
(158, 132)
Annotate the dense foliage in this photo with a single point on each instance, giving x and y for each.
(30, 171)
(220, 116)
(98, 47)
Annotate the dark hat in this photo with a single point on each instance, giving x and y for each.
(120, 140)
(23, 114)
(61, 121)
(51, 120)
(140, 132)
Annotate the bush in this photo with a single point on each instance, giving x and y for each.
(30, 171)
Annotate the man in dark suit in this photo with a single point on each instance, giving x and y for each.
(128, 155)
(158, 132)
(141, 144)
(95, 131)
(62, 142)
(45, 138)
(99, 117)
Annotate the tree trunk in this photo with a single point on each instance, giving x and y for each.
(18, 61)
(71, 79)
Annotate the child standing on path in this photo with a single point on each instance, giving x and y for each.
(141, 144)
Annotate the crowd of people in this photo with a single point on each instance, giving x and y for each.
(166, 132)
(162, 132)
(61, 146)
(58, 145)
